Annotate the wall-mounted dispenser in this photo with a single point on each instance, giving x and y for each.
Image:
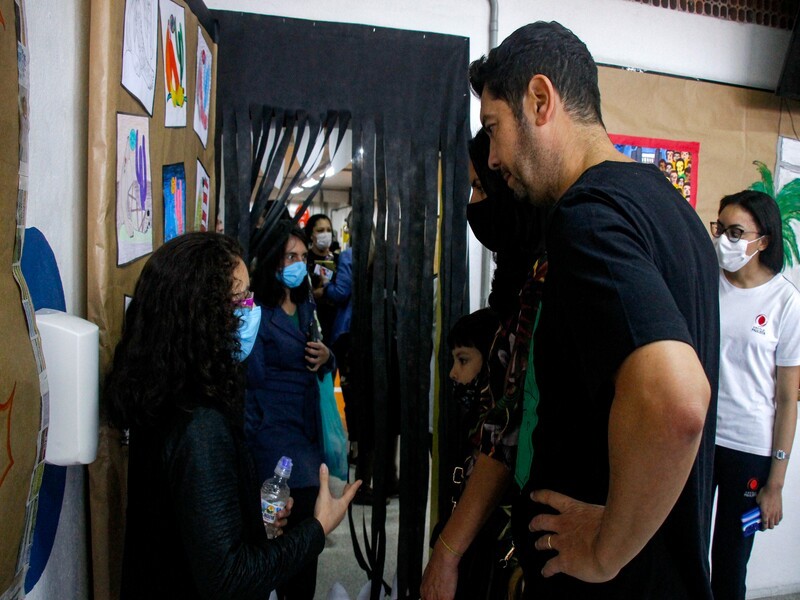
(71, 351)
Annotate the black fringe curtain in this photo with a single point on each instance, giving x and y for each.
(405, 95)
(257, 145)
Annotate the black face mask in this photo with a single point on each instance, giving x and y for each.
(481, 219)
(467, 394)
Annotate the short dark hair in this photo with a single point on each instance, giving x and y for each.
(266, 287)
(475, 330)
(549, 49)
(765, 212)
(179, 342)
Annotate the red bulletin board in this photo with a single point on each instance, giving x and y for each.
(678, 160)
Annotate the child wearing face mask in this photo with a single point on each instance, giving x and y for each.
(476, 569)
(759, 374)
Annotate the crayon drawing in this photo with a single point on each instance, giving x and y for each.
(140, 50)
(202, 95)
(203, 193)
(173, 36)
(134, 189)
(174, 182)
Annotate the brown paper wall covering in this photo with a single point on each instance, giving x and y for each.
(733, 125)
(107, 283)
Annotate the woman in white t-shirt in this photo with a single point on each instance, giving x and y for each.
(758, 380)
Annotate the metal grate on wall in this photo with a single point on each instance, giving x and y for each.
(771, 13)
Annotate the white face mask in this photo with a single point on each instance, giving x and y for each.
(324, 240)
(732, 256)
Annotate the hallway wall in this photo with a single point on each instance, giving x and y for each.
(617, 32)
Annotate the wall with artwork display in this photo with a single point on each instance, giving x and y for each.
(684, 110)
(150, 177)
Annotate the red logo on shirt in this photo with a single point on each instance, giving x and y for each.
(752, 484)
(761, 320)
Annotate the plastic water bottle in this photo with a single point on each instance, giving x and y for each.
(275, 494)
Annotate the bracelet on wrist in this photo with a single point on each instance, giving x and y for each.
(448, 548)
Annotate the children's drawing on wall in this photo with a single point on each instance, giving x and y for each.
(677, 160)
(174, 182)
(134, 189)
(173, 36)
(785, 188)
(140, 50)
(787, 172)
(6, 457)
(202, 95)
(203, 191)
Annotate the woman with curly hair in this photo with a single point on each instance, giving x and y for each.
(282, 409)
(194, 526)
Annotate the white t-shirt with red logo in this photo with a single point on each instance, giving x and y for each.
(759, 331)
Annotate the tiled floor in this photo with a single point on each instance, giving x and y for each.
(338, 562)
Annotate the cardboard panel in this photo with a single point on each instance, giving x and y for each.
(734, 126)
(20, 395)
(108, 284)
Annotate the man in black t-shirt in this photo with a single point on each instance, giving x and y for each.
(618, 504)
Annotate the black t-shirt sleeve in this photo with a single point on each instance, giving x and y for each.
(613, 296)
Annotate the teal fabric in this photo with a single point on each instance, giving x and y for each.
(333, 435)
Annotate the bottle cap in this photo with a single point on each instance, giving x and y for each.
(284, 467)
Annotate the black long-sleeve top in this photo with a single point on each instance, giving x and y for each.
(194, 526)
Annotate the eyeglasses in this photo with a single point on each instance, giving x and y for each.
(244, 299)
(734, 233)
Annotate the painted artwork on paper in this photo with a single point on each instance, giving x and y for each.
(174, 182)
(134, 189)
(203, 194)
(140, 50)
(202, 94)
(679, 161)
(173, 37)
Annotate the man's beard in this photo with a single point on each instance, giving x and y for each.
(535, 166)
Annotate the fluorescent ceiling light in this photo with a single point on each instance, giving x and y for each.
(297, 190)
(330, 172)
(311, 182)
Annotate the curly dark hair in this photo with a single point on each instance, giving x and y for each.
(180, 336)
(549, 49)
(267, 288)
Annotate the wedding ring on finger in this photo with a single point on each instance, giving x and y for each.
(549, 545)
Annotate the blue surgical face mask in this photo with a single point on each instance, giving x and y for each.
(248, 329)
(293, 275)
